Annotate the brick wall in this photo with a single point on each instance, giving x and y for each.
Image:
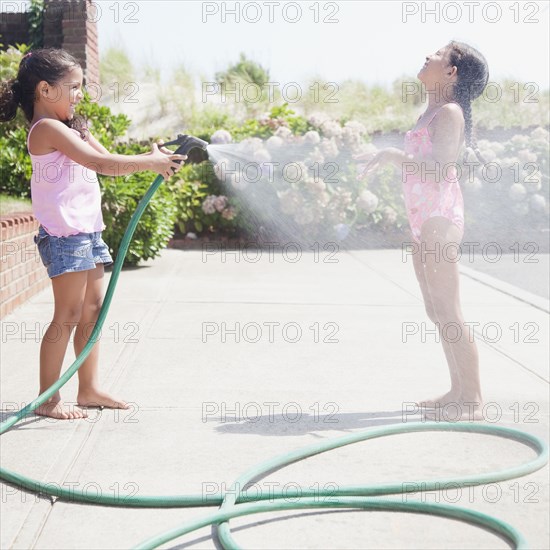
(68, 24)
(79, 30)
(22, 273)
(14, 27)
(53, 24)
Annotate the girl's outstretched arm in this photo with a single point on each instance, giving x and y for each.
(98, 147)
(98, 159)
(96, 144)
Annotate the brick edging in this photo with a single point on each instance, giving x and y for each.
(22, 274)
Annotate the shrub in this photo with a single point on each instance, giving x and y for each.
(197, 182)
(121, 196)
(15, 163)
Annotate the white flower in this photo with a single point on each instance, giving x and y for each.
(507, 162)
(317, 119)
(312, 137)
(283, 132)
(274, 142)
(329, 148)
(350, 138)
(389, 215)
(488, 154)
(221, 137)
(314, 184)
(531, 180)
(526, 156)
(517, 192)
(229, 213)
(323, 198)
(540, 133)
(539, 144)
(264, 119)
(367, 201)
(331, 128)
(498, 148)
(537, 203)
(491, 172)
(520, 208)
(220, 203)
(519, 141)
(249, 145)
(318, 185)
(315, 157)
(295, 172)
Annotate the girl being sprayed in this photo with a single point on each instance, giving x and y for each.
(453, 76)
(66, 201)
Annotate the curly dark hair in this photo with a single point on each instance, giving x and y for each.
(49, 64)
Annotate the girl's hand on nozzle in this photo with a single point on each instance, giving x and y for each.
(164, 162)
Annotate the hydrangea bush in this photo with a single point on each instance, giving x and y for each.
(510, 191)
(282, 175)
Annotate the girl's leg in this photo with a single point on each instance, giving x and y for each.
(89, 393)
(442, 278)
(68, 290)
(454, 393)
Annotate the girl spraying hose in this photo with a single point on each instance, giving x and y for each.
(453, 76)
(66, 201)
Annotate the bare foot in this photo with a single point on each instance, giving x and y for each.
(96, 398)
(460, 411)
(449, 397)
(57, 409)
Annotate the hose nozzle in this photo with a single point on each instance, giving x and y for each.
(186, 143)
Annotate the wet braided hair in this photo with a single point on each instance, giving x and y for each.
(472, 77)
(49, 64)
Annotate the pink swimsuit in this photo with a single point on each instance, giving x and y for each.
(426, 199)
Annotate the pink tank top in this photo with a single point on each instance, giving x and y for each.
(66, 198)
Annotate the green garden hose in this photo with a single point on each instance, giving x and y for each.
(236, 502)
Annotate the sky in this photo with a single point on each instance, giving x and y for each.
(372, 41)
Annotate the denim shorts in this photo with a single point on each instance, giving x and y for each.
(78, 252)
